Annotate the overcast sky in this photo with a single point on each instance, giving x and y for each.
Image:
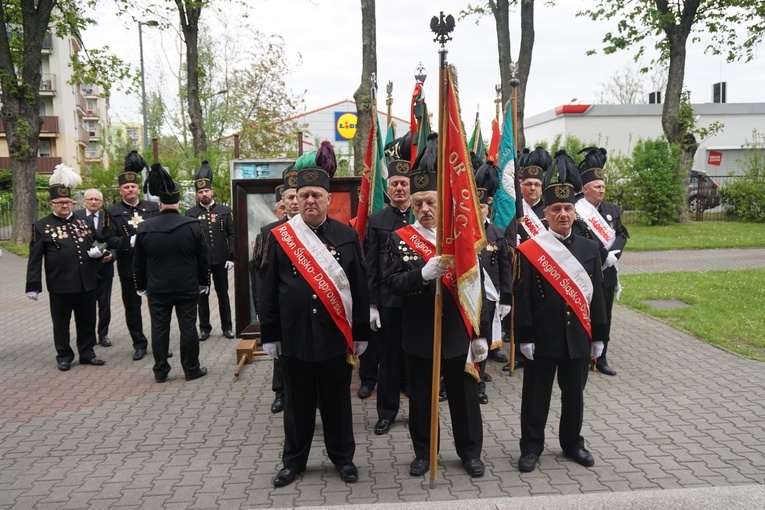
(327, 35)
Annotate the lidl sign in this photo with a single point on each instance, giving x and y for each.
(345, 125)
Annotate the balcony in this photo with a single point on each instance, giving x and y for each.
(83, 136)
(45, 164)
(92, 154)
(91, 113)
(48, 84)
(88, 90)
(94, 133)
(49, 128)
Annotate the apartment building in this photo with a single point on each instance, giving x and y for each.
(75, 117)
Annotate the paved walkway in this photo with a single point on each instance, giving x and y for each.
(681, 426)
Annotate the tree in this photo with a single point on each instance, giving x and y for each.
(362, 96)
(669, 25)
(623, 87)
(500, 10)
(26, 23)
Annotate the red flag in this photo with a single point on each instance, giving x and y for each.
(362, 213)
(494, 145)
(463, 232)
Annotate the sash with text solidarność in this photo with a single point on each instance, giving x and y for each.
(531, 222)
(595, 222)
(320, 270)
(563, 272)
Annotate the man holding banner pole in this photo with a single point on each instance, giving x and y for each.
(560, 317)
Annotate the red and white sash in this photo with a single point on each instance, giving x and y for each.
(563, 271)
(320, 270)
(599, 226)
(530, 221)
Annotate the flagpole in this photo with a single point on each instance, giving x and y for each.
(389, 104)
(442, 27)
(514, 82)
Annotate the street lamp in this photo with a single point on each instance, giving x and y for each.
(150, 23)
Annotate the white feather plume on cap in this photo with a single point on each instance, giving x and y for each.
(63, 174)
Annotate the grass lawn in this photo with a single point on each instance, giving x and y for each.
(727, 307)
(21, 250)
(697, 235)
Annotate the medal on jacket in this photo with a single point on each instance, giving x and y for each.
(136, 219)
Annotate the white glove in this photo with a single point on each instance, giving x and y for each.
(273, 349)
(95, 253)
(528, 350)
(596, 349)
(229, 265)
(503, 311)
(141, 293)
(374, 318)
(480, 349)
(433, 269)
(132, 241)
(32, 296)
(611, 259)
(359, 348)
(204, 289)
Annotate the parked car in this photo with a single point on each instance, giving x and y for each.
(708, 189)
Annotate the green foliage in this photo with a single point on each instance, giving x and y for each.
(746, 196)
(657, 184)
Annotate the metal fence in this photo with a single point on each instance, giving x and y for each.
(710, 208)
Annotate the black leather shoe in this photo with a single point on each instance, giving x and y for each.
(528, 462)
(204, 335)
(581, 456)
(365, 392)
(169, 353)
(160, 378)
(139, 354)
(93, 361)
(419, 467)
(442, 396)
(483, 398)
(105, 342)
(64, 365)
(486, 378)
(605, 369)
(474, 467)
(278, 405)
(286, 476)
(520, 363)
(506, 367)
(348, 473)
(497, 356)
(196, 375)
(382, 426)
(228, 333)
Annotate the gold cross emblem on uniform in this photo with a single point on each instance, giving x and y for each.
(136, 219)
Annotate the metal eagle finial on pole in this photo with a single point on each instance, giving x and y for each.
(442, 26)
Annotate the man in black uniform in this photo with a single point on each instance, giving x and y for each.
(170, 265)
(65, 242)
(497, 284)
(559, 272)
(385, 307)
(97, 219)
(288, 196)
(531, 169)
(124, 217)
(411, 266)
(315, 262)
(218, 229)
(611, 241)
